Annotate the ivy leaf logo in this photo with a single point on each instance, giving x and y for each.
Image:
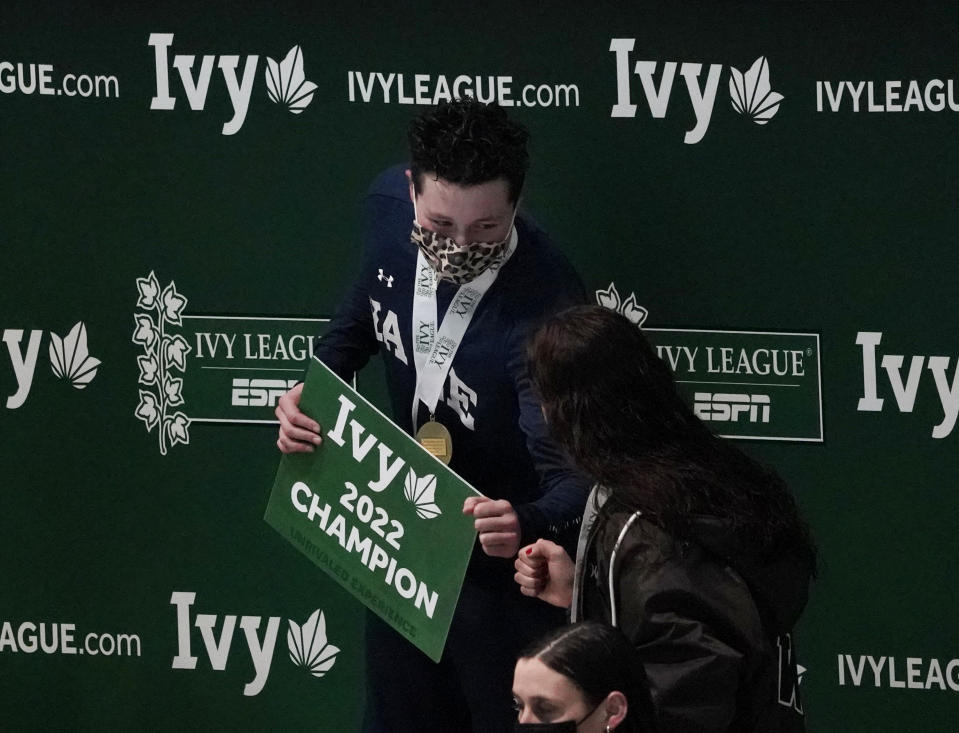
(173, 305)
(286, 83)
(751, 94)
(145, 332)
(148, 410)
(309, 647)
(609, 298)
(148, 369)
(69, 358)
(165, 354)
(176, 350)
(173, 388)
(421, 493)
(149, 289)
(634, 311)
(177, 427)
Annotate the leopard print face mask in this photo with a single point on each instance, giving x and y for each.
(454, 262)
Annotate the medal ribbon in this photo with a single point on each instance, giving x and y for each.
(434, 349)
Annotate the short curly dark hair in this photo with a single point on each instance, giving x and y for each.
(467, 142)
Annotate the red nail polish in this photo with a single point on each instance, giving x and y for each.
(529, 550)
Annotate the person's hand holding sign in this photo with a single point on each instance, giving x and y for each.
(298, 433)
(497, 524)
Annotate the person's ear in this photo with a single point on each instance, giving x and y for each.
(409, 177)
(616, 709)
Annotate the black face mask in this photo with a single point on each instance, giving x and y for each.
(566, 726)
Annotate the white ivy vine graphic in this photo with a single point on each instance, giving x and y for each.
(630, 307)
(164, 355)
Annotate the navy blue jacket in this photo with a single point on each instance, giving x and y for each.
(500, 441)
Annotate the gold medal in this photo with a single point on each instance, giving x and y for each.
(435, 438)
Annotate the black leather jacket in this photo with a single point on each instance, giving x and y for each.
(712, 624)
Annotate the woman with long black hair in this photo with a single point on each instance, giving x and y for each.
(695, 551)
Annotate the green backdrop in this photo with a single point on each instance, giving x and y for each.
(829, 217)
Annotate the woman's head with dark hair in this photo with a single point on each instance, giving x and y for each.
(467, 143)
(613, 404)
(605, 392)
(587, 674)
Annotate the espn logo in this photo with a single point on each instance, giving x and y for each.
(260, 392)
(723, 407)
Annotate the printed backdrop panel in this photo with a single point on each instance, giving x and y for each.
(180, 190)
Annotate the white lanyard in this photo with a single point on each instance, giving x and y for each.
(434, 349)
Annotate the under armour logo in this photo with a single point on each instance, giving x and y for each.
(381, 277)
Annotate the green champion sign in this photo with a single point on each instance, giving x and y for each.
(376, 512)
